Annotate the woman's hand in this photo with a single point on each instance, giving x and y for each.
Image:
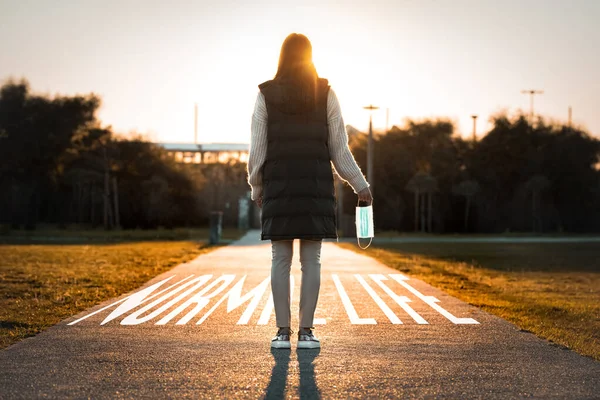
(259, 201)
(365, 195)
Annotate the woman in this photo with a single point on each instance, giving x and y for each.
(297, 132)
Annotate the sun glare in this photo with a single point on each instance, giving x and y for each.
(360, 81)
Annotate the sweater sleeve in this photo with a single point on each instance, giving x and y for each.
(343, 161)
(258, 146)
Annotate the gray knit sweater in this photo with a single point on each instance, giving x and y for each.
(343, 160)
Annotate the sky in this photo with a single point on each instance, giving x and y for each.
(151, 61)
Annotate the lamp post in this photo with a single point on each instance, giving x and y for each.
(387, 119)
(531, 93)
(370, 107)
(474, 128)
(196, 123)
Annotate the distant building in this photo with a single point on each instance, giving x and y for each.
(207, 153)
(210, 153)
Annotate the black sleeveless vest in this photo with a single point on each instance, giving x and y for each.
(298, 190)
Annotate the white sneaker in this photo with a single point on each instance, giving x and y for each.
(307, 340)
(282, 339)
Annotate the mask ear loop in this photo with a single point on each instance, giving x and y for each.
(364, 248)
(358, 240)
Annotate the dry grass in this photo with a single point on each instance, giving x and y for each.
(550, 289)
(42, 284)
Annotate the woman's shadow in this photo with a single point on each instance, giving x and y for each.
(308, 385)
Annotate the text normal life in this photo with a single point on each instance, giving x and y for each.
(189, 301)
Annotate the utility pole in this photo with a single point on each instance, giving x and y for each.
(196, 123)
(370, 107)
(387, 119)
(531, 92)
(570, 116)
(474, 128)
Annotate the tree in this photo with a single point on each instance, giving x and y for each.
(37, 132)
(536, 185)
(467, 189)
(423, 186)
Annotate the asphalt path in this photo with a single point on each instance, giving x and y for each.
(203, 330)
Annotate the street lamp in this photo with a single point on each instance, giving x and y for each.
(531, 93)
(370, 107)
(474, 128)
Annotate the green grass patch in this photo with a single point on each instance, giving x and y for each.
(42, 284)
(51, 234)
(550, 289)
(507, 234)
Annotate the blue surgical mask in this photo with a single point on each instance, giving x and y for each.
(364, 224)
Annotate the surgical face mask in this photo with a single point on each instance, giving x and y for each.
(364, 223)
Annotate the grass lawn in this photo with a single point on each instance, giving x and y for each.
(51, 234)
(42, 284)
(396, 234)
(550, 289)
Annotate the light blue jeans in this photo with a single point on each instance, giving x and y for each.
(281, 263)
